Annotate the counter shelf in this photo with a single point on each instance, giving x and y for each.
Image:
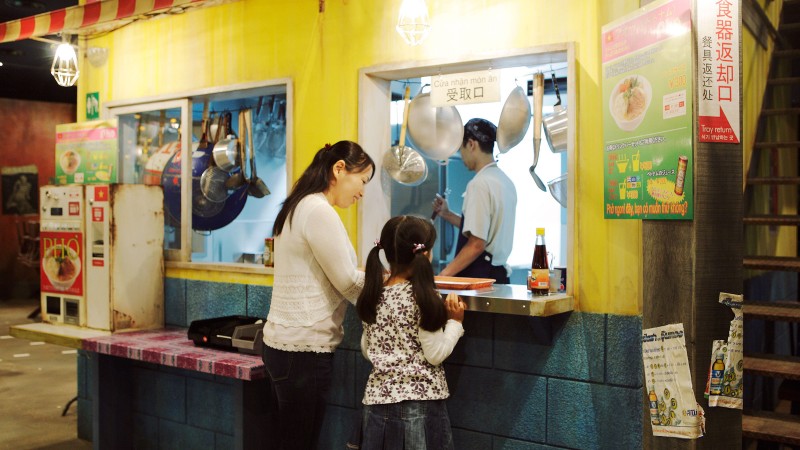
(514, 299)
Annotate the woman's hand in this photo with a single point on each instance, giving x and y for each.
(455, 307)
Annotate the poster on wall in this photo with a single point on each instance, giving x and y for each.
(718, 29)
(647, 113)
(20, 190)
(674, 411)
(87, 152)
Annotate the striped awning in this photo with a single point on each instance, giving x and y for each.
(92, 18)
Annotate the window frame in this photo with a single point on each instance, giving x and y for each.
(181, 258)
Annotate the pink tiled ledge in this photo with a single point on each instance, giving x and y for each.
(171, 347)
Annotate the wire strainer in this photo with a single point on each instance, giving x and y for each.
(558, 188)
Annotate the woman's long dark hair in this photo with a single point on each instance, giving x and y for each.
(317, 176)
(401, 238)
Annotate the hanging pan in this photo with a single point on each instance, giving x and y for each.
(436, 131)
(402, 163)
(256, 186)
(556, 124)
(515, 118)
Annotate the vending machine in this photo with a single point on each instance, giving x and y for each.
(120, 234)
(62, 254)
(124, 256)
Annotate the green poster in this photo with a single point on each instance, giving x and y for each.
(647, 113)
(87, 152)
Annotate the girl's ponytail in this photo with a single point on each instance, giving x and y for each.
(367, 303)
(433, 314)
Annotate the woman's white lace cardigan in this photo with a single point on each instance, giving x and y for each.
(315, 271)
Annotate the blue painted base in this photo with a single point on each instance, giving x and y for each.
(573, 380)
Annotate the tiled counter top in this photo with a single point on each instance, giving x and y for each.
(171, 347)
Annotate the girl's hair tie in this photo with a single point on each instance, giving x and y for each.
(418, 248)
(327, 146)
(377, 243)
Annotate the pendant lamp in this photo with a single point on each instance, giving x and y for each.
(65, 65)
(413, 24)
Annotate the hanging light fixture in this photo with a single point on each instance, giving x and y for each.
(65, 65)
(413, 24)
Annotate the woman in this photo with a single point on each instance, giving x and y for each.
(315, 271)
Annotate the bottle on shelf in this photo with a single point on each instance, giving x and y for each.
(539, 281)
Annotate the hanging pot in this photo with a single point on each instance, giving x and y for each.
(515, 118)
(436, 132)
(206, 215)
(403, 164)
(556, 124)
(226, 150)
(238, 178)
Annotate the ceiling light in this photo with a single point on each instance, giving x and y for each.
(413, 24)
(65, 65)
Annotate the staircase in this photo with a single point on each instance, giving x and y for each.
(771, 418)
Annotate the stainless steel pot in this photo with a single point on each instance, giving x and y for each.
(436, 132)
(226, 150)
(556, 124)
(515, 118)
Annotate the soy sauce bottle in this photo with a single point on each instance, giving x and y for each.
(539, 281)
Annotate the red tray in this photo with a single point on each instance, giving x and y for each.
(463, 283)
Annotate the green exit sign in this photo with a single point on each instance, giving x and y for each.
(92, 105)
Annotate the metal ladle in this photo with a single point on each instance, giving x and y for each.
(257, 188)
(538, 100)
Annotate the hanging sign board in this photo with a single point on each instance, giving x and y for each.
(465, 88)
(87, 152)
(647, 113)
(718, 34)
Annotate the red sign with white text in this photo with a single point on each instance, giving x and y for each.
(61, 268)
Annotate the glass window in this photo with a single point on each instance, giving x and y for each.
(535, 208)
(237, 168)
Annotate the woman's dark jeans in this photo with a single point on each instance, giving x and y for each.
(300, 384)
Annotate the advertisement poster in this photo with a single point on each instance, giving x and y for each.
(725, 383)
(20, 186)
(647, 113)
(718, 29)
(674, 411)
(62, 262)
(87, 152)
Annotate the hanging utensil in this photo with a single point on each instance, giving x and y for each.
(226, 150)
(436, 131)
(555, 125)
(404, 164)
(256, 187)
(238, 178)
(261, 127)
(538, 99)
(515, 118)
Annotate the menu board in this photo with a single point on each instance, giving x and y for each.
(87, 152)
(647, 113)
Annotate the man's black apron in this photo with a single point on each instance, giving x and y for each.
(482, 266)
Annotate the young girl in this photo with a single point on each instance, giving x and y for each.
(408, 333)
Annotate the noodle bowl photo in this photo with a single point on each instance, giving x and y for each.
(69, 162)
(629, 101)
(62, 266)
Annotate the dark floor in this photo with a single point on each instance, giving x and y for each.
(36, 382)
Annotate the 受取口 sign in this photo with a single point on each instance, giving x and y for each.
(465, 88)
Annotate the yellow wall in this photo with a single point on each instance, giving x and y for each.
(253, 40)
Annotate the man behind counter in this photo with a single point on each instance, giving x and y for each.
(486, 226)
